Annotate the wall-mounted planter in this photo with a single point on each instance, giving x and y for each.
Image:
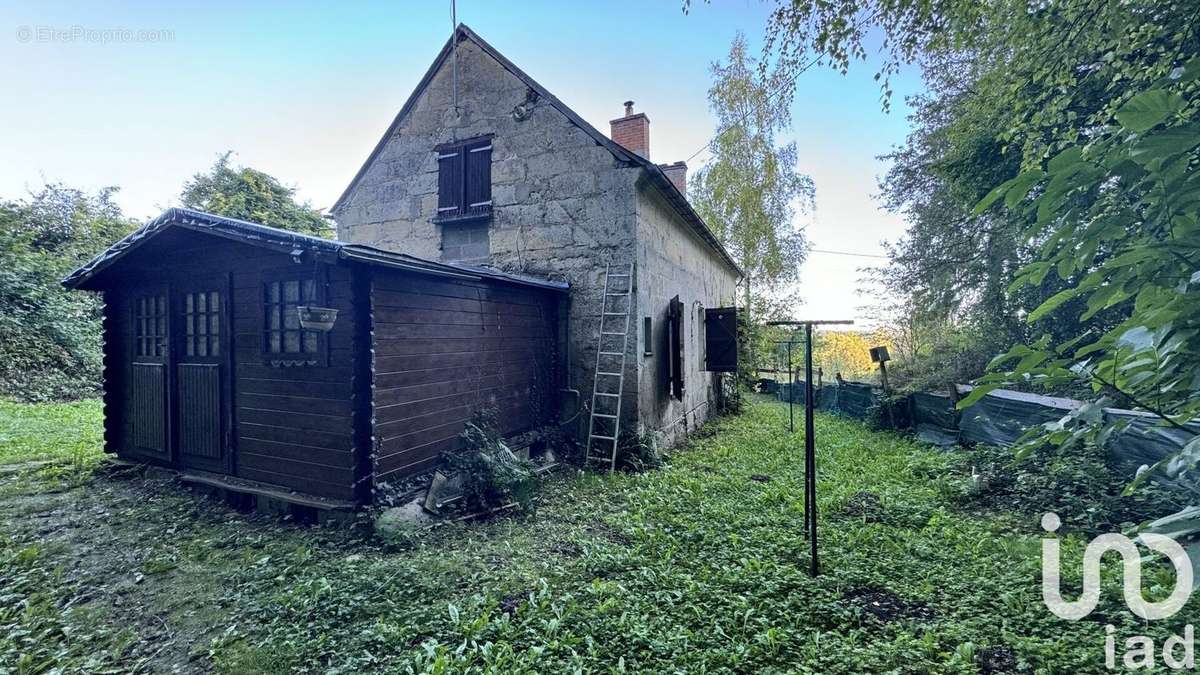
(317, 318)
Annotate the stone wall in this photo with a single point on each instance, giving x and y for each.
(672, 261)
(563, 206)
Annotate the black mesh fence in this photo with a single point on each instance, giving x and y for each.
(999, 418)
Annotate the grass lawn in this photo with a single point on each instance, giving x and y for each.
(49, 431)
(698, 567)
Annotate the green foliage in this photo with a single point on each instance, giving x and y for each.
(37, 634)
(639, 452)
(1118, 218)
(750, 190)
(1058, 145)
(252, 195)
(692, 568)
(492, 475)
(1082, 484)
(50, 337)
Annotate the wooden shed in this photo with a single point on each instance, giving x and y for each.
(219, 360)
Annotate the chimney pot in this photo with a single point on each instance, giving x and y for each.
(632, 131)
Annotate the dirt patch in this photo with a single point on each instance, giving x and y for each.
(865, 505)
(885, 607)
(997, 659)
(142, 554)
(511, 603)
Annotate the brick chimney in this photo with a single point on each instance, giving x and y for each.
(632, 131)
(677, 172)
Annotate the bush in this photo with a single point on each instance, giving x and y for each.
(638, 452)
(1082, 485)
(492, 475)
(49, 336)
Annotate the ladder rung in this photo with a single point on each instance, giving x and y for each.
(612, 374)
(612, 353)
(606, 438)
(622, 294)
(612, 333)
(614, 274)
(614, 314)
(605, 393)
(611, 417)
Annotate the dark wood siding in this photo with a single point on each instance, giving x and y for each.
(444, 349)
(293, 423)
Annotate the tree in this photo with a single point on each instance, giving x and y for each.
(1096, 104)
(49, 336)
(750, 191)
(252, 195)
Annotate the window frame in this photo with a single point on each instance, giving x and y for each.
(154, 344)
(461, 210)
(282, 359)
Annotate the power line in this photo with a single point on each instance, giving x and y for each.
(849, 253)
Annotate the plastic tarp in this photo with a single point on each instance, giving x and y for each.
(934, 419)
(1001, 417)
(1146, 441)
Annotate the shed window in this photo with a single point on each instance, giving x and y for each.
(283, 335)
(464, 180)
(150, 325)
(202, 323)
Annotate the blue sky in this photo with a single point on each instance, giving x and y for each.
(303, 90)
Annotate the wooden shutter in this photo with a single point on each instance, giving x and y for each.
(720, 339)
(675, 347)
(479, 177)
(450, 168)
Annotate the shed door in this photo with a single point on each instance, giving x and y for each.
(149, 352)
(201, 355)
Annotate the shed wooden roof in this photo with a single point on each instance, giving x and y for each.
(285, 241)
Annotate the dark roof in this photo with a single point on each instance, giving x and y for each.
(288, 242)
(676, 198)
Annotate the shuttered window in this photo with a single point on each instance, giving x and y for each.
(675, 348)
(464, 180)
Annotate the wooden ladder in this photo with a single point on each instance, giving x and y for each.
(610, 367)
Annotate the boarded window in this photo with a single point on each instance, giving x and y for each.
(675, 347)
(150, 325)
(720, 339)
(282, 334)
(464, 180)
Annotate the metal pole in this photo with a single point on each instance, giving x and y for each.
(810, 452)
(791, 390)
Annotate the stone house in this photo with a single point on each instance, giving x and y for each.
(485, 167)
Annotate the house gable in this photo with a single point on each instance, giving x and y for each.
(432, 101)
